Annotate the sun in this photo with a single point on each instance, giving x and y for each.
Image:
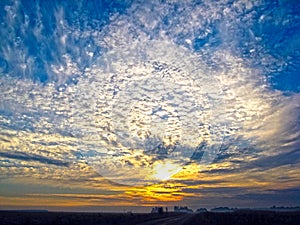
(165, 170)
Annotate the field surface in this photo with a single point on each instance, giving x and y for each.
(209, 218)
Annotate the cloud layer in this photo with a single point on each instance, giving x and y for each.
(163, 90)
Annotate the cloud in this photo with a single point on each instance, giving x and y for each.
(32, 157)
(286, 158)
(282, 197)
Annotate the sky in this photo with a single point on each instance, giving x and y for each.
(126, 105)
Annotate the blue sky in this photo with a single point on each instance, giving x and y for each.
(125, 103)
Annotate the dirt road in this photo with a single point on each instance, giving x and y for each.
(173, 220)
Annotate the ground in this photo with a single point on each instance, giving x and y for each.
(235, 218)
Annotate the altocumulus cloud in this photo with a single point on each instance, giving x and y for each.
(142, 74)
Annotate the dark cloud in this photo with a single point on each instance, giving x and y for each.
(33, 157)
(291, 157)
(268, 162)
(217, 190)
(284, 196)
(223, 171)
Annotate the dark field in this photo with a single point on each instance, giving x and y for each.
(208, 218)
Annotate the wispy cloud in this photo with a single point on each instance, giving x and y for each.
(32, 157)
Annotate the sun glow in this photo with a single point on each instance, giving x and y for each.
(165, 170)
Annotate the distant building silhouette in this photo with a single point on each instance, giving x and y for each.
(221, 209)
(182, 209)
(201, 210)
(159, 210)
